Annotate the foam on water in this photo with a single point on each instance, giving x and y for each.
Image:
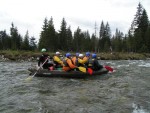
(123, 66)
(144, 65)
(138, 109)
(102, 94)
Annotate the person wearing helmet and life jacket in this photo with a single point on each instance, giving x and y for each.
(42, 59)
(94, 64)
(80, 61)
(86, 59)
(57, 61)
(68, 64)
(75, 59)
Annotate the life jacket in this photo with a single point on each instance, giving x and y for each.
(90, 62)
(75, 60)
(80, 62)
(86, 61)
(57, 61)
(65, 62)
(70, 65)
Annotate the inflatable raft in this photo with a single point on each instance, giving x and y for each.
(61, 73)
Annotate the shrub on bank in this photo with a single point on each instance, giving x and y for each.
(123, 56)
(25, 55)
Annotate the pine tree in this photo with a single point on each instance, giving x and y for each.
(33, 42)
(107, 36)
(76, 39)
(87, 41)
(140, 26)
(102, 29)
(82, 41)
(1, 39)
(117, 41)
(101, 35)
(5, 42)
(69, 38)
(124, 44)
(104, 38)
(143, 26)
(26, 45)
(137, 18)
(43, 35)
(51, 36)
(93, 42)
(147, 37)
(79, 40)
(16, 39)
(63, 35)
(130, 42)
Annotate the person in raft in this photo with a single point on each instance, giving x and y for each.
(86, 58)
(94, 64)
(75, 59)
(42, 59)
(57, 61)
(68, 64)
(80, 61)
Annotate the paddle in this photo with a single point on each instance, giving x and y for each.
(109, 68)
(30, 77)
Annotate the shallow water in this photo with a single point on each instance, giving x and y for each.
(125, 91)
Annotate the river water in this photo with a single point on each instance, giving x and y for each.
(125, 91)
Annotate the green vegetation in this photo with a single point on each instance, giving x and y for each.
(19, 55)
(137, 39)
(26, 55)
(123, 56)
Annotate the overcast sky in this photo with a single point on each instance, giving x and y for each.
(30, 14)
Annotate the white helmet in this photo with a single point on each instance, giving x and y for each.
(80, 55)
(57, 53)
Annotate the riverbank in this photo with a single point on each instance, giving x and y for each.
(33, 56)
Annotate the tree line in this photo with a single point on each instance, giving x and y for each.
(136, 40)
(15, 41)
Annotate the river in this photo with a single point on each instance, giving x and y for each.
(125, 91)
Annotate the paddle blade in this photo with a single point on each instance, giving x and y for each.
(109, 68)
(90, 71)
(29, 78)
(83, 69)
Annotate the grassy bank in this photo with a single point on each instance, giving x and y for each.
(124, 56)
(16, 55)
(24, 55)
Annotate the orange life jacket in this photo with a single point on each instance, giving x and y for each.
(74, 60)
(68, 64)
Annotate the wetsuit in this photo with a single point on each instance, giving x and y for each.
(94, 64)
(42, 59)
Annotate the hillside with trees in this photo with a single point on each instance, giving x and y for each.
(136, 40)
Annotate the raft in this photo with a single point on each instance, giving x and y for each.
(61, 73)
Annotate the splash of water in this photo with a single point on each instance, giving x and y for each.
(138, 109)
